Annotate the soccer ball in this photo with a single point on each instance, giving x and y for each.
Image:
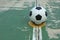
(38, 15)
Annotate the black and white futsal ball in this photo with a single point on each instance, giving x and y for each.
(38, 15)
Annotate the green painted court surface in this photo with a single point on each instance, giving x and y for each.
(14, 23)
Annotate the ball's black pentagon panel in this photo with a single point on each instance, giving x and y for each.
(38, 8)
(46, 13)
(30, 13)
(38, 17)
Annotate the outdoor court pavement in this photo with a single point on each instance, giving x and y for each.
(14, 23)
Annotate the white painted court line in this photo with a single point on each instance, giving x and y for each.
(40, 33)
(33, 34)
(37, 34)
